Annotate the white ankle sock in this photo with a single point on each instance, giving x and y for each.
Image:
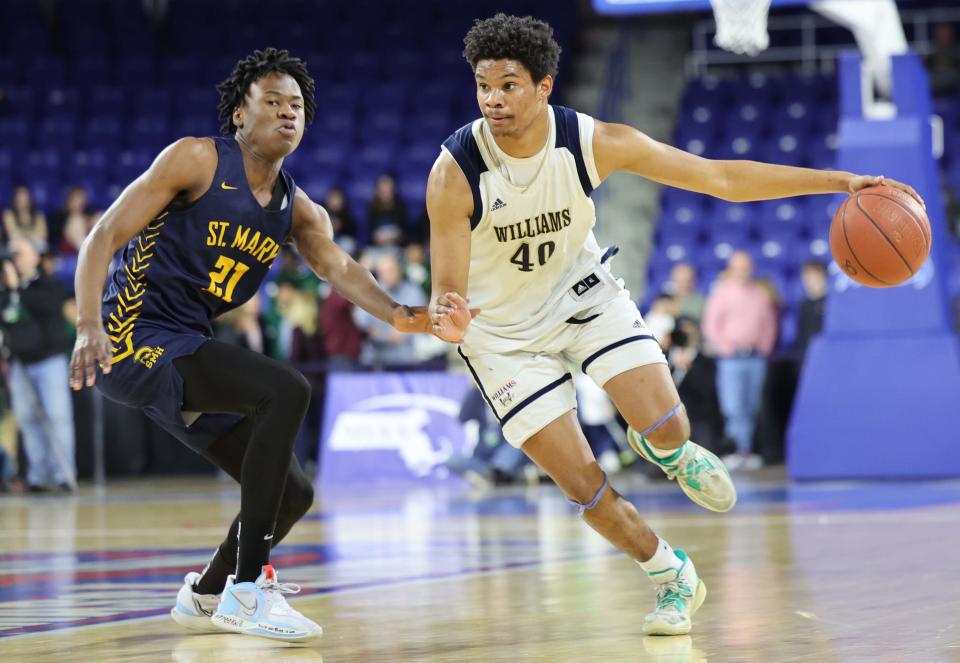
(663, 560)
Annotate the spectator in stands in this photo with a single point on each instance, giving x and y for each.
(944, 61)
(294, 271)
(385, 347)
(493, 461)
(36, 335)
(344, 223)
(342, 339)
(661, 319)
(24, 220)
(242, 326)
(810, 322)
(71, 225)
(682, 286)
(417, 266)
(740, 322)
(695, 374)
(387, 215)
(596, 414)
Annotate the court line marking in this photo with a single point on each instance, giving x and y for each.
(944, 513)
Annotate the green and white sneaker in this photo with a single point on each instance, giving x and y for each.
(680, 593)
(701, 475)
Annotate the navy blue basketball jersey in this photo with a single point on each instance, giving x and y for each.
(194, 263)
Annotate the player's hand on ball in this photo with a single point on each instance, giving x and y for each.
(451, 316)
(92, 348)
(865, 181)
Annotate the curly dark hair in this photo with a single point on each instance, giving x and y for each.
(527, 40)
(254, 67)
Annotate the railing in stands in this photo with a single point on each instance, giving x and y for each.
(817, 50)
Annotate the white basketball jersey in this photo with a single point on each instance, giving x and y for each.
(532, 245)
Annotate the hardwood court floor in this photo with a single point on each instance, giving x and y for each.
(819, 573)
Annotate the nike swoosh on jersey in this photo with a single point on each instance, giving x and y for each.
(227, 187)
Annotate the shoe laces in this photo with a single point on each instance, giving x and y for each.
(273, 591)
(673, 596)
(690, 466)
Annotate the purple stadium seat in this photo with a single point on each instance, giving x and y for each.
(387, 118)
(428, 126)
(713, 257)
(783, 213)
(57, 130)
(745, 117)
(412, 188)
(736, 215)
(372, 158)
(20, 97)
(64, 267)
(740, 146)
(9, 70)
(44, 190)
(93, 159)
(48, 69)
(329, 159)
(672, 196)
(136, 72)
(385, 96)
(786, 149)
(60, 100)
(317, 185)
(102, 129)
(708, 91)
(676, 251)
(29, 37)
(772, 255)
(89, 70)
(359, 191)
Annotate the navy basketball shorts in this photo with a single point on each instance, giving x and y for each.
(142, 376)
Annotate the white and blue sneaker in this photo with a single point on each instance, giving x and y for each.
(259, 608)
(193, 611)
(680, 593)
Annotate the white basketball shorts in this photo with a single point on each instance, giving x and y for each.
(527, 390)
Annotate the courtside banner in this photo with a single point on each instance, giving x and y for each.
(391, 426)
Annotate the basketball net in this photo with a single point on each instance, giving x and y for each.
(741, 25)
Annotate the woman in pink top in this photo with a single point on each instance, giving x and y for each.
(740, 322)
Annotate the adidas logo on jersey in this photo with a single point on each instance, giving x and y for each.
(497, 204)
(637, 324)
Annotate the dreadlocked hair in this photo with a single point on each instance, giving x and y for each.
(526, 40)
(253, 68)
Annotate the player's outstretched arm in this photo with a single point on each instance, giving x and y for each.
(620, 148)
(183, 171)
(449, 206)
(313, 236)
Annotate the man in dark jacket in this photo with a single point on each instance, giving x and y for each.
(37, 337)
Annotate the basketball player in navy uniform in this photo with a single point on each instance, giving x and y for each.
(511, 225)
(201, 228)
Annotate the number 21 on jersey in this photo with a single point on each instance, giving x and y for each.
(224, 279)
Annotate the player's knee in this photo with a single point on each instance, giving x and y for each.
(583, 487)
(673, 432)
(297, 498)
(291, 389)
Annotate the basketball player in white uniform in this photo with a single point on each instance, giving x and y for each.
(511, 224)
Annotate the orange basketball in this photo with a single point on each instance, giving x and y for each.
(880, 236)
